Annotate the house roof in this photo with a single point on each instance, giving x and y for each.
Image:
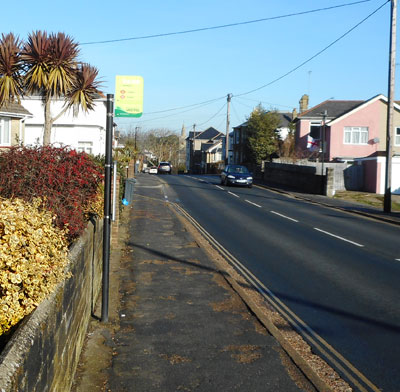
(209, 146)
(206, 146)
(333, 108)
(219, 137)
(337, 109)
(191, 133)
(14, 109)
(285, 120)
(241, 125)
(209, 133)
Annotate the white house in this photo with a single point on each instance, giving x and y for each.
(85, 132)
(12, 124)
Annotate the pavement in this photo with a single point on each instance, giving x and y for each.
(175, 322)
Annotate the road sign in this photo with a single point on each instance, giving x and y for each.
(128, 96)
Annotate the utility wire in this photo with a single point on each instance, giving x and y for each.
(201, 104)
(215, 115)
(184, 111)
(236, 114)
(267, 103)
(225, 25)
(315, 55)
(184, 107)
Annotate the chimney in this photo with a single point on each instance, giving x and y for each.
(294, 114)
(303, 103)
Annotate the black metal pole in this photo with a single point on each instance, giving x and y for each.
(107, 208)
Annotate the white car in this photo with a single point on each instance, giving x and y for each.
(153, 170)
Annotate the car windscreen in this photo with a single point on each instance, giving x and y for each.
(238, 169)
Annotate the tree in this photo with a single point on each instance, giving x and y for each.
(46, 64)
(263, 136)
(163, 143)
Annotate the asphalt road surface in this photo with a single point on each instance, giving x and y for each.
(336, 274)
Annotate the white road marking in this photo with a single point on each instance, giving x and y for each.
(284, 216)
(340, 238)
(337, 359)
(219, 187)
(233, 194)
(254, 204)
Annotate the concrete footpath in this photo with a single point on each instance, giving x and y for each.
(175, 323)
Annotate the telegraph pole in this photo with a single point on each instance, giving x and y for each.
(193, 146)
(387, 202)
(324, 115)
(228, 120)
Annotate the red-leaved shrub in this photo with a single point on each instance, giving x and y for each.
(67, 181)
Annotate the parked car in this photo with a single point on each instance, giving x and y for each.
(153, 170)
(236, 175)
(164, 168)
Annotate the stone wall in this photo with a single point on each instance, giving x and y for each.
(300, 178)
(44, 351)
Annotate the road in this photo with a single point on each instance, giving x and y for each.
(337, 273)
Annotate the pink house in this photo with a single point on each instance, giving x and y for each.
(353, 132)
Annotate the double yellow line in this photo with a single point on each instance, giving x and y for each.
(337, 360)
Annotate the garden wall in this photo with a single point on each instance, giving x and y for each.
(44, 351)
(301, 178)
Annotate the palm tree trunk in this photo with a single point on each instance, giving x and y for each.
(48, 122)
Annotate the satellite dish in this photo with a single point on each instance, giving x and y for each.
(375, 140)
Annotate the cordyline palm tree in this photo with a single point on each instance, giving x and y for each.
(46, 64)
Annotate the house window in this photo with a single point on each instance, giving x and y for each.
(5, 134)
(355, 135)
(85, 147)
(397, 137)
(315, 130)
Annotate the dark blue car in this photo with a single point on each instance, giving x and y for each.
(236, 175)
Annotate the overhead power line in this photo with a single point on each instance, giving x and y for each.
(266, 103)
(215, 115)
(315, 55)
(192, 107)
(225, 25)
(205, 103)
(187, 106)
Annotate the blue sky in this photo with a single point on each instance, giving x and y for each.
(186, 69)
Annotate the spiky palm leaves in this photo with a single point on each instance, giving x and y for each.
(11, 84)
(85, 88)
(35, 55)
(47, 65)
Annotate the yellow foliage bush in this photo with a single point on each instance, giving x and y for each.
(96, 207)
(33, 257)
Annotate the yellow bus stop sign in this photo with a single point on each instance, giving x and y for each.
(128, 96)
